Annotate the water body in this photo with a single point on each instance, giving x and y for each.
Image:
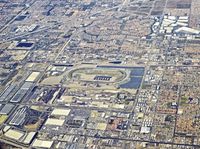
(133, 83)
(20, 18)
(115, 62)
(24, 44)
(136, 76)
(137, 72)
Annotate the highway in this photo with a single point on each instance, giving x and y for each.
(20, 12)
(26, 34)
(130, 139)
(76, 32)
(131, 111)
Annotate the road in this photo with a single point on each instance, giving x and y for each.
(76, 32)
(26, 34)
(21, 12)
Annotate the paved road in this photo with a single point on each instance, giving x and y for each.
(76, 32)
(21, 12)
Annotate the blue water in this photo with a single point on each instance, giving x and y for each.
(20, 18)
(137, 72)
(136, 76)
(134, 82)
(25, 44)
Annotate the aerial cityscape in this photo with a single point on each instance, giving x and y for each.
(99, 74)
